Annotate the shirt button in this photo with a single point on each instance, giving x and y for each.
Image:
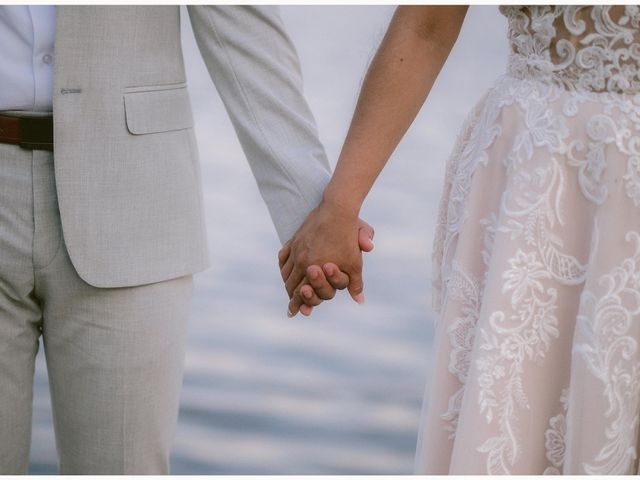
(47, 58)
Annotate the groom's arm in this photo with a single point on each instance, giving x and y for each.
(255, 68)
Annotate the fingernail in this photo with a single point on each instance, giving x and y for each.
(307, 293)
(289, 314)
(314, 274)
(360, 298)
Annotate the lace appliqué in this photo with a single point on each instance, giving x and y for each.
(612, 356)
(555, 443)
(463, 288)
(478, 133)
(595, 48)
(632, 179)
(526, 331)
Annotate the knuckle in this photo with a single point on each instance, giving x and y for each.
(312, 302)
(327, 294)
(341, 284)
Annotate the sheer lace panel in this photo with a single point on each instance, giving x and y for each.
(596, 48)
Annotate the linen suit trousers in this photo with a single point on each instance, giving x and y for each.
(114, 355)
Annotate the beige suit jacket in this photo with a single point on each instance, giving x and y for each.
(126, 160)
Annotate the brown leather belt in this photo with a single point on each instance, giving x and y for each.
(31, 133)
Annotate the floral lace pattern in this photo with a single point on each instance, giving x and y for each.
(467, 290)
(611, 354)
(596, 48)
(555, 438)
(525, 288)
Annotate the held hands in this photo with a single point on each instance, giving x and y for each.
(325, 254)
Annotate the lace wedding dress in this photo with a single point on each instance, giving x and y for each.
(537, 258)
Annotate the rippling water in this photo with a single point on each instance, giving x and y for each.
(339, 392)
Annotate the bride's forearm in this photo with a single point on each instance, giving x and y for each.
(404, 69)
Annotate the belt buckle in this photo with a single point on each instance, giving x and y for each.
(36, 133)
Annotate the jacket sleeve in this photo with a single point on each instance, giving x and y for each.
(255, 68)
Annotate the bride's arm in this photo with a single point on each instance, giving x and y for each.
(401, 75)
(406, 65)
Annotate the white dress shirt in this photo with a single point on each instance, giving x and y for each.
(27, 35)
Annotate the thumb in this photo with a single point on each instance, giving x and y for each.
(356, 287)
(365, 236)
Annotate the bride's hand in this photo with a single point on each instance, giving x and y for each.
(329, 234)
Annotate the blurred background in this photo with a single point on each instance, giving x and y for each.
(340, 392)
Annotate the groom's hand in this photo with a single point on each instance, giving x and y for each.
(321, 283)
(325, 280)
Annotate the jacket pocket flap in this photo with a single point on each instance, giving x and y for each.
(152, 111)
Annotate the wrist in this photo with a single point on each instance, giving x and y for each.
(339, 203)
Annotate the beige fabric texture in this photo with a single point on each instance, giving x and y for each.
(126, 166)
(114, 355)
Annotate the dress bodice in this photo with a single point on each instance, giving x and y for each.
(596, 48)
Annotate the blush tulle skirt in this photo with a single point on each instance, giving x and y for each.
(537, 285)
